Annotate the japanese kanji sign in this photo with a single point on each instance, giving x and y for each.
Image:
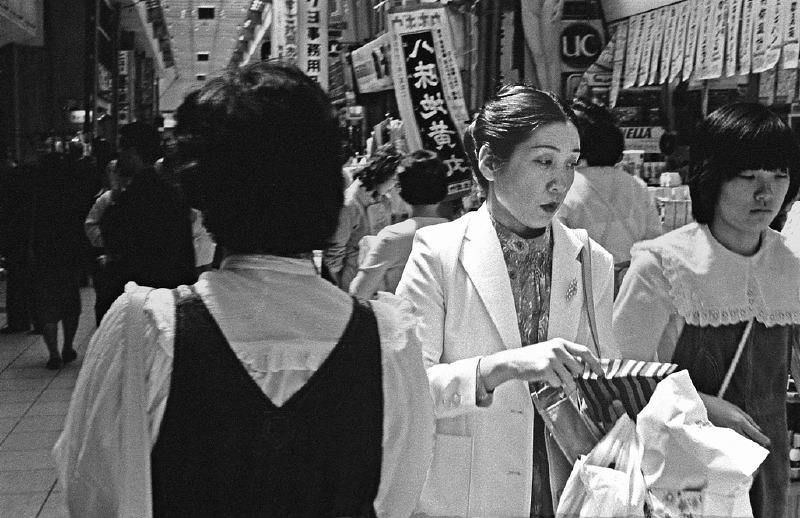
(312, 50)
(284, 30)
(428, 88)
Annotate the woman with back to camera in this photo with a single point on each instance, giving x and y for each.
(614, 207)
(262, 390)
(500, 301)
(693, 295)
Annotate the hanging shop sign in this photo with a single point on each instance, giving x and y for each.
(284, 30)
(428, 89)
(126, 68)
(372, 65)
(645, 138)
(312, 40)
(581, 44)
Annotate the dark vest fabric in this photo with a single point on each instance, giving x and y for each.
(224, 449)
(758, 387)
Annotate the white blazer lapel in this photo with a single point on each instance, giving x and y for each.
(566, 289)
(483, 261)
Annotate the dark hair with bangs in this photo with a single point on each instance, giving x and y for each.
(268, 158)
(734, 138)
(381, 166)
(509, 118)
(423, 178)
(602, 141)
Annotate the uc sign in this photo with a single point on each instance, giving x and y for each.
(580, 45)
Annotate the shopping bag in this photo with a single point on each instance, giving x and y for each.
(691, 467)
(608, 481)
(631, 382)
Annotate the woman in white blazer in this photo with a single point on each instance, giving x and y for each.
(499, 298)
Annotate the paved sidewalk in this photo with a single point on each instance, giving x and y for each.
(33, 403)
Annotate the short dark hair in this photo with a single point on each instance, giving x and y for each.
(602, 141)
(268, 158)
(144, 138)
(423, 178)
(509, 118)
(381, 166)
(734, 138)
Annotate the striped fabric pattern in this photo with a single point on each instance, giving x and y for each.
(630, 381)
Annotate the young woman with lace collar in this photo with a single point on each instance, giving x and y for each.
(689, 294)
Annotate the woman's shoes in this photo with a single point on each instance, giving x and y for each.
(53, 364)
(68, 355)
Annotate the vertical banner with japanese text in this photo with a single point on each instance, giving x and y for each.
(312, 40)
(428, 89)
(284, 30)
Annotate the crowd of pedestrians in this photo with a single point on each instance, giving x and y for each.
(234, 374)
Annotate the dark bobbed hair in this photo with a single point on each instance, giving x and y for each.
(509, 118)
(423, 178)
(268, 158)
(142, 137)
(602, 141)
(734, 138)
(381, 166)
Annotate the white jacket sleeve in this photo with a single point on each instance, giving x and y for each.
(452, 385)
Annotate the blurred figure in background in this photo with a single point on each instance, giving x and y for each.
(62, 196)
(146, 230)
(614, 207)
(423, 185)
(367, 209)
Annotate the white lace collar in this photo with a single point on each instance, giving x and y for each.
(712, 286)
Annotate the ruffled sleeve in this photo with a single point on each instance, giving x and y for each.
(408, 411)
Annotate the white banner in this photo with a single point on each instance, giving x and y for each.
(695, 10)
(620, 41)
(658, 38)
(634, 50)
(746, 38)
(312, 48)
(791, 44)
(647, 47)
(774, 32)
(284, 30)
(678, 48)
(760, 9)
(704, 43)
(715, 34)
(427, 82)
(372, 65)
(732, 38)
(668, 42)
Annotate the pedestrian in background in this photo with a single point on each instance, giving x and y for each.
(423, 185)
(367, 209)
(614, 207)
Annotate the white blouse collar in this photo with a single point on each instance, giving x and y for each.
(271, 263)
(712, 286)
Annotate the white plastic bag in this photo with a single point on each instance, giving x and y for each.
(608, 481)
(691, 467)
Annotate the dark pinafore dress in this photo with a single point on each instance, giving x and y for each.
(758, 387)
(224, 449)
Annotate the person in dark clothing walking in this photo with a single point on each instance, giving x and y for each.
(146, 231)
(62, 196)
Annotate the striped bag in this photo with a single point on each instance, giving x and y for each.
(629, 381)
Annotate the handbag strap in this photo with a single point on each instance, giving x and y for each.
(736, 357)
(588, 297)
(136, 499)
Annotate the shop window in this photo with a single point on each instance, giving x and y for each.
(202, 56)
(205, 13)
